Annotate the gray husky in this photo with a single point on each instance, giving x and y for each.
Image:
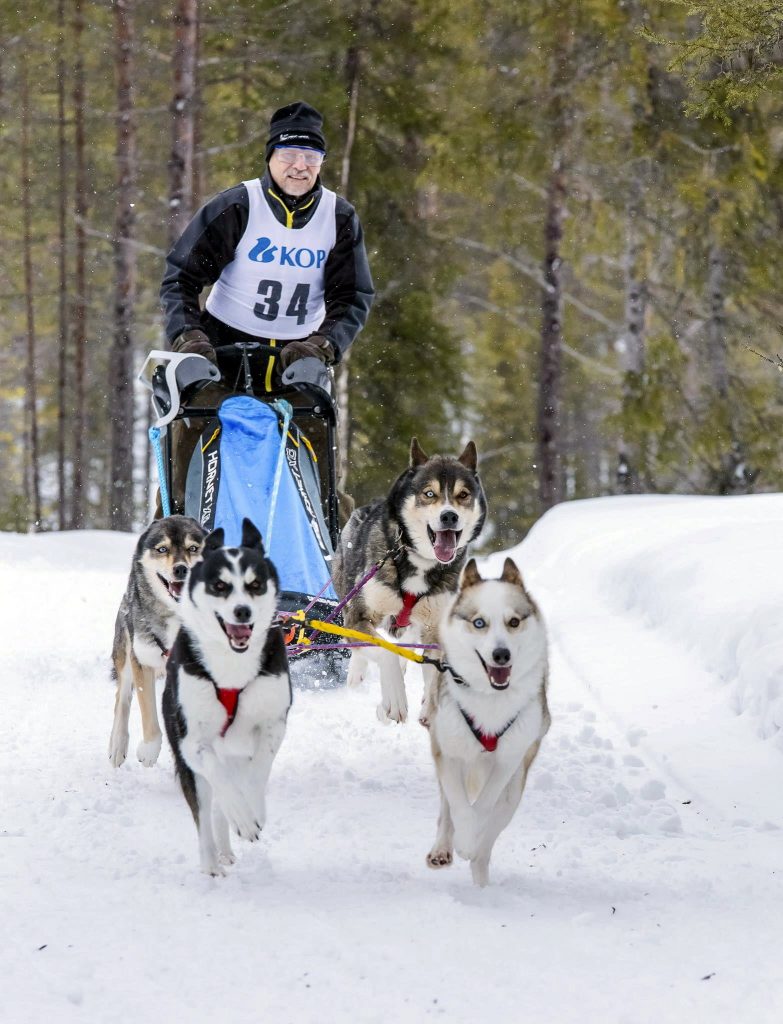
(491, 713)
(146, 626)
(422, 529)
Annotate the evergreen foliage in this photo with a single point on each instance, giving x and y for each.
(665, 117)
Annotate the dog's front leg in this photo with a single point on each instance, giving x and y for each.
(357, 667)
(442, 853)
(495, 808)
(118, 742)
(497, 819)
(429, 699)
(394, 702)
(230, 797)
(270, 738)
(206, 838)
(463, 816)
(222, 836)
(144, 681)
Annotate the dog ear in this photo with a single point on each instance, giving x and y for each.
(471, 576)
(251, 538)
(511, 574)
(418, 456)
(469, 457)
(215, 540)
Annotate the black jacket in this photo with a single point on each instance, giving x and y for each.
(208, 244)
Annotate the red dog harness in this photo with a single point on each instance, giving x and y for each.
(403, 618)
(229, 699)
(489, 743)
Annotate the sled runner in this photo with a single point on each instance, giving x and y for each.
(255, 461)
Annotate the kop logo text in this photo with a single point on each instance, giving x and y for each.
(286, 255)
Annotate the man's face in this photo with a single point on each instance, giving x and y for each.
(295, 170)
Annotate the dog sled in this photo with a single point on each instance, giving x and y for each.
(254, 459)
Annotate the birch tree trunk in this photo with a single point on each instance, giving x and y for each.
(31, 403)
(353, 67)
(121, 363)
(182, 123)
(79, 308)
(62, 268)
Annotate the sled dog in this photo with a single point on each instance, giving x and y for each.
(420, 533)
(491, 713)
(227, 693)
(146, 626)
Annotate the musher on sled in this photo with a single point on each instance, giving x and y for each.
(288, 267)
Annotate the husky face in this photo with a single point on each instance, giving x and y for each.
(166, 552)
(232, 594)
(440, 503)
(493, 633)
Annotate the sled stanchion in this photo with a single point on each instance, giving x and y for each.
(165, 501)
(286, 409)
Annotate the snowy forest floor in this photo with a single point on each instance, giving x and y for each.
(639, 882)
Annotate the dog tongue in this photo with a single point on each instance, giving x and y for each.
(445, 545)
(175, 589)
(499, 675)
(238, 632)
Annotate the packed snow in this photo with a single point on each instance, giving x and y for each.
(640, 880)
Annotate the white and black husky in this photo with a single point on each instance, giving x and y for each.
(146, 625)
(434, 509)
(228, 692)
(491, 713)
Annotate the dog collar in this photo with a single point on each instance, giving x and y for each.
(403, 618)
(229, 699)
(488, 742)
(163, 649)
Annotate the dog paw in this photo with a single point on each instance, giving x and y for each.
(148, 753)
(251, 832)
(386, 714)
(427, 712)
(356, 670)
(439, 858)
(227, 857)
(246, 826)
(213, 869)
(118, 749)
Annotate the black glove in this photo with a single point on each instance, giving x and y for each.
(195, 342)
(316, 345)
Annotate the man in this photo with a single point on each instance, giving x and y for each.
(286, 260)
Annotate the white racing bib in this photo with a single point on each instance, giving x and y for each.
(274, 286)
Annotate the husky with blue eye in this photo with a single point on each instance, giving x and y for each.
(491, 713)
(228, 692)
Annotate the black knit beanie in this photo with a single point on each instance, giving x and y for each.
(298, 124)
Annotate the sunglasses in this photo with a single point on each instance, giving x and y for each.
(312, 157)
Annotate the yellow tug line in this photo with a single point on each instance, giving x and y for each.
(354, 634)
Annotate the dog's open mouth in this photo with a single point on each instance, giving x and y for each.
(238, 635)
(174, 587)
(444, 543)
(498, 675)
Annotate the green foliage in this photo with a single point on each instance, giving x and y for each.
(733, 59)
(461, 110)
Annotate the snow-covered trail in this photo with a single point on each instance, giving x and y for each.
(632, 886)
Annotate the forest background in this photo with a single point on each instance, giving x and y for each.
(572, 210)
